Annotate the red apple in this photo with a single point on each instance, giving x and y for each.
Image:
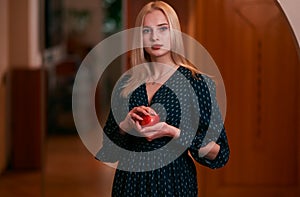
(149, 120)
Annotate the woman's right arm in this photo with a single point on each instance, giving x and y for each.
(112, 139)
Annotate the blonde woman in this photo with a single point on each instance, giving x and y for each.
(162, 83)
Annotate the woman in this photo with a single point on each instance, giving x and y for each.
(156, 87)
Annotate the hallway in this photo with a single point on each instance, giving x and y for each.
(70, 170)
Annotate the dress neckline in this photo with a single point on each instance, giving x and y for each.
(150, 100)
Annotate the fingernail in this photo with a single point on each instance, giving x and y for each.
(153, 112)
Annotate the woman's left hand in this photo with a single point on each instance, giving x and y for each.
(210, 151)
(159, 130)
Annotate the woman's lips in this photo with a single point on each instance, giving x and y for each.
(156, 47)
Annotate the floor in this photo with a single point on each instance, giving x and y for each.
(69, 170)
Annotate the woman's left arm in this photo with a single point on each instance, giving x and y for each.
(214, 155)
(210, 145)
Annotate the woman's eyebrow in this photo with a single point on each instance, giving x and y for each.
(159, 25)
(163, 24)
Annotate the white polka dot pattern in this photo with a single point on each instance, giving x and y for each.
(179, 177)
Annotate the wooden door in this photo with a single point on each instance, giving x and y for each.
(256, 52)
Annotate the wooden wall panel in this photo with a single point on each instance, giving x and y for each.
(256, 54)
(27, 117)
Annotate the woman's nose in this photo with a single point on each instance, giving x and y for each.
(154, 36)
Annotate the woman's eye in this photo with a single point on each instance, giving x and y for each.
(164, 28)
(146, 31)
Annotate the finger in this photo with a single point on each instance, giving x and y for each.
(148, 110)
(147, 129)
(138, 126)
(156, 127)
(151, 111)
(135, 116)
(137, 112)
(151, 137)
(143, 110)
(149, 133)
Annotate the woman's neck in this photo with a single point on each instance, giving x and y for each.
(159, 68)
(160, 64)
(163, 59)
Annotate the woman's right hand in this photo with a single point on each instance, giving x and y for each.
(133, 117)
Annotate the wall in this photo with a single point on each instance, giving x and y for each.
(19, 48)
(3, 67)
(91, 35)
(26, 85)
(24, 51)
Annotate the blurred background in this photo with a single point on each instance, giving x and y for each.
(43, 42)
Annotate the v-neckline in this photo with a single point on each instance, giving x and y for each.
(149, 101)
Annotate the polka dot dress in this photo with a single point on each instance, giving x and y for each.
(177, 105)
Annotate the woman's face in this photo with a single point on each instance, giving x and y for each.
(156, 35)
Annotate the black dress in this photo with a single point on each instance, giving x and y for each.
(189, 105)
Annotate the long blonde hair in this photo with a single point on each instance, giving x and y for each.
(139, 56)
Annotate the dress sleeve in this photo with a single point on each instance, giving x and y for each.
(112, 140)
(211, 126)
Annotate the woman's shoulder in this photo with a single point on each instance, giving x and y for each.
(198, 79)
